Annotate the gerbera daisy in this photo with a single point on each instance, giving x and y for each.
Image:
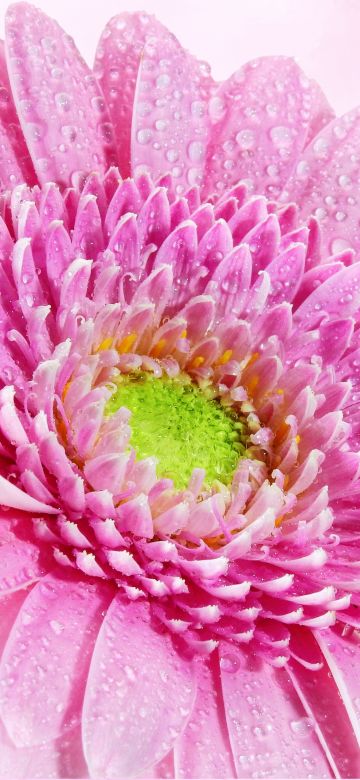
(180, 355)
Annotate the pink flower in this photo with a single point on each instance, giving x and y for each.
(180, 353)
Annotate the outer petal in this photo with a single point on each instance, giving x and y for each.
(323, 694)
(342, 653)
(139, 694)
(45, 662)
(20, 564)
(61, 109)
(338, 296)
(116, 68)
(203, 750)
(268, 728)
(9, 607)
(261, 117)
(63, 758)
(170, 126)
(325, 182)
(15, 163)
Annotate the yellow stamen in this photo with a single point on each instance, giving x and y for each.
(225, 357)
(66, 390)
(106, 344)
(252, 384)
(158, 348)
(298, 439)
(183, 334)
(125, 345)
(252, 359)
(280, 391)
(281, 433)
(197, 361)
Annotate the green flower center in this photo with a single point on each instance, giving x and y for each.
(182, 425)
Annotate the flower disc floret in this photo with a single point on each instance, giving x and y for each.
(184, 426)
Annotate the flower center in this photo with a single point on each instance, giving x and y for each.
(182, 425)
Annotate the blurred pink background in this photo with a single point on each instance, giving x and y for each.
(323, 35)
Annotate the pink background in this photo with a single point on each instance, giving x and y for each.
(322, 34)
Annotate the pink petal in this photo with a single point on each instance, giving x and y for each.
(330, 165)
(107, 472)
(116, 68)
(286, 272)
(203, 749)
(263, 241)
(215, 244)
(125, 199)
(62, 758)
(10, 603)
(87, 239)
(156, 288)
(170, 129)
(12, 496)
(260, 121)
(341, 653)
(135, 516)
(268, 728)
(179, 251)
(45, 662)
(15, 163)
(229, 284)
(338, 296)
(62, 112)
(138, 697)
(320, 696)
(154, 219)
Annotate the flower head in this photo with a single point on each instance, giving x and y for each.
(178, 413)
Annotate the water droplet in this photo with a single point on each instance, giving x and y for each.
(163, 80)
(338, 245)
(229, 663)
(161, 124)
(340, 216)
(98, 104)
(302, 169)
(302, 727)
(196, 151)
(194, 176)
(57, 73)
(130, 673)
(114, 74)
(339, 131)
(144, 136)
(63, 101)
(172, 155)
(272, 170)
(35, 130)
(56, 627)
(69, 132)
(245, 139)
(281, 137)
(320, 213)
(217, 108)
(261, 732)
(344, 181)
(320, 148)
(105, 132)
(198, 108)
